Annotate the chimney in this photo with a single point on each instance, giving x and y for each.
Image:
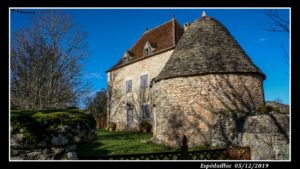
(186, 26)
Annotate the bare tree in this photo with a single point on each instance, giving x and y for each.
(278, 24)
(97, 104)
(46, 61)
(115, 97)
(278, 100)
(141, 98)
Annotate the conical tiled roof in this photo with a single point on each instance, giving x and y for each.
(207, 47)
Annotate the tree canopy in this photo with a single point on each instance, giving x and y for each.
(46, 61)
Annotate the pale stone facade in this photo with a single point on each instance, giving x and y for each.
(190, 105)
(151, 66)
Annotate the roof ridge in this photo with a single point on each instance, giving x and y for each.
(173, 19)
(140, 37)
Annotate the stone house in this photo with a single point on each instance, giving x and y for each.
(129, 80)
(181, 80)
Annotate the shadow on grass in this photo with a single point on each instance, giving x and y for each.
(112, 143)
(122, 135)
(91, 149)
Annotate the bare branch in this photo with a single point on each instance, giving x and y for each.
(44, 73)
(278, 23)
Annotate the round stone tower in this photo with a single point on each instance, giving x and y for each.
(208, 73)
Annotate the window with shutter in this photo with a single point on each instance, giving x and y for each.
(128, 86)
(145, 111)
(144, 81)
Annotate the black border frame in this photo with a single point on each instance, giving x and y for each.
(146, 3)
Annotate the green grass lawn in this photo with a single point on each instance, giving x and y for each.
(121, 143)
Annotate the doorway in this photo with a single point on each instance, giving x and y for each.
(129, 123)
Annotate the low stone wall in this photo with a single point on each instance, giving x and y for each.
(53, 153)
(34, 138)
(268, 136)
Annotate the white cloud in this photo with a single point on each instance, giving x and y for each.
(262, 39)
(93, 76)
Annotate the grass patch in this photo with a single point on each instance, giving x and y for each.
(124, 142)
(120, 142)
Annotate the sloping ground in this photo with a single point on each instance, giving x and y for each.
(124, 142)
(120, 142)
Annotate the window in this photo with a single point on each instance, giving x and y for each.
(144, 81)
(128, 86)
(125, 59)
(147, 51)
(145, 111)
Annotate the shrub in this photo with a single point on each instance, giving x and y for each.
(276, 109)
(145, 127)
(263, 109)
(287, 111)
(269, 109)
(111, 126)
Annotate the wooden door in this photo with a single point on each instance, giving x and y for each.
(129, 118)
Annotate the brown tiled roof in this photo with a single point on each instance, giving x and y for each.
(207, 47)
(163, 37)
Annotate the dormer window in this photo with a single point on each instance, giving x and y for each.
(148, 50)
(126, 57)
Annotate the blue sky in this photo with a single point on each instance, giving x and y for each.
(112, 31)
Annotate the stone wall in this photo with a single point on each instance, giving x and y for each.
(49, 135)
(190, 105)
(58, 146)
(268, 136)
(117, 78)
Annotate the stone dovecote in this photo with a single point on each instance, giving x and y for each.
(207, 74)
